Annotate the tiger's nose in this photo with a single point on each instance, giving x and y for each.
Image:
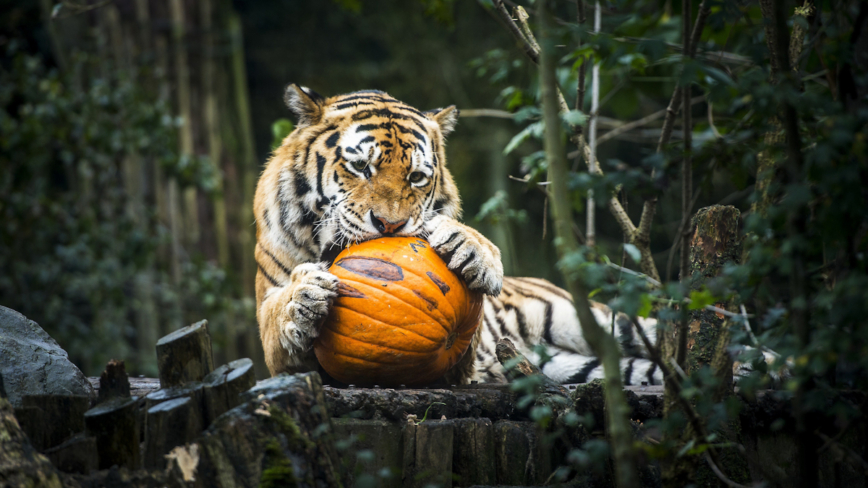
(383, 226)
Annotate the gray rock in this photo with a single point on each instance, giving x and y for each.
(32, 363)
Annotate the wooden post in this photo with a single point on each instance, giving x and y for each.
(114, 382)
(224, 386)
(170, 424)
(51, 419)
(115, 425)
(184, 356)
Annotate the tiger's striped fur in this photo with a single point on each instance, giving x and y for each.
(362, 165)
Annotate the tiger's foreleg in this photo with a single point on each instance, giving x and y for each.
(290, 316)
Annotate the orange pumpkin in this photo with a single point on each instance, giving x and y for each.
(401, 316)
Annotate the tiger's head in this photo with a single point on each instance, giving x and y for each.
(364, 165)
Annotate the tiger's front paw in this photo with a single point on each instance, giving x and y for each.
(470, 254)
(311, 292)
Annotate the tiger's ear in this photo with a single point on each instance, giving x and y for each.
(446, 118)
(305, 103)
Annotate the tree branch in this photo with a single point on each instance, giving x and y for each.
(639, 123)
(513, 29)
(650, 206)
(604, 345)
(525, 38)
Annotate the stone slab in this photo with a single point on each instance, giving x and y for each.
(32, 363)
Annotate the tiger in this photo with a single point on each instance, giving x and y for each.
(364, 165)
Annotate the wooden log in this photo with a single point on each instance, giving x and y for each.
(517, 366)
(51, 419)
(280, 436)
(184, 356)
(193, 390)
(520, 454)
(170, 424)
(427, 456)
(115, 425)
(114, 382)
(514, 362)
(223, 387)
(30, 421)
(77, 454)
(473, 459)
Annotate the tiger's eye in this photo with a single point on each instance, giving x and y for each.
(416, 177)
(360, 165)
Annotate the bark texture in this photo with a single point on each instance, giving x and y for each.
(714, 244)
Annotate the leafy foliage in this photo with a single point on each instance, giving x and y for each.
(74, 248)
(816, 224)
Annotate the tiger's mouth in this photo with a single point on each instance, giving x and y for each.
(331, 253)
(347, 238)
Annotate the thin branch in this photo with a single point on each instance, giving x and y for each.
(513, 29)
(603, 344)
(678, 242)
(485, 112)
(719, 473)
(77, 9)
(521, 15)
(685, 300)
(851, 455)
(627, 227)
(650, 206)
(592, 134)
(711, 121)
(638, 123)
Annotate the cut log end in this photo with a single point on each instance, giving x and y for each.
(184, 356)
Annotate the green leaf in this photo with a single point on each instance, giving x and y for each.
(633, 251)
(533, 130)
(351, 5)
(646, 305)
(279, 130)
(699, 299)
(425, 417)
(717, 75)
(574, 117)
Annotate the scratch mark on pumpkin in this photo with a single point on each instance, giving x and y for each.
(375, 268)
(444, 288)
(345, 290)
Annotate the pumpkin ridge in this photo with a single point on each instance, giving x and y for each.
(380, 322)
(443, 323)
(367, 360)
(386, 347)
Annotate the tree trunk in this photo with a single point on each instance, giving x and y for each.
(714, 244)
(603, 344)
